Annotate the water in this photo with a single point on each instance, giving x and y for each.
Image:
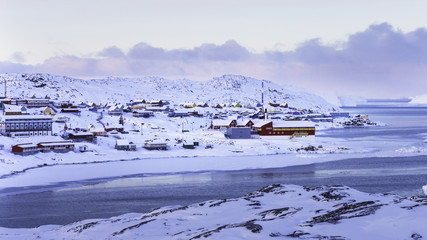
(404, 176)
(102, 198)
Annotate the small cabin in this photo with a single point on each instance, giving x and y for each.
(48, 111)
(156, 146)
(124, 144)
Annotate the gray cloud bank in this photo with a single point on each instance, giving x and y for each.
(378, 62)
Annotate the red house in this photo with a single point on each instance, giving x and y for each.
(220, 124)
(285, 128)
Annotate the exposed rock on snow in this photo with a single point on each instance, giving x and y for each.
(283, 211)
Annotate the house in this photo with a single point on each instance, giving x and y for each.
(48, 111)
(60, 146)
(145, 114)
(178, 114)
(124, 144)
(13, 110)
(284, 105)
(195, 114)
(93, 109)
(25, 148)
(91, 104)
(138, 106)
(245, 123)
(31, 102)
(25, 125)
(158, 103)
(285, 128)
(30, 148)
(115, 110)
(77, 136)
(158, 109)
(81, 105)
(221, 124)
(190, 145)
(34, 102)
(236, 105)
(156, 146)
(238, 133)
(114, 128)
(71, 110)
(189, 105)
(62, 104)
(217, 106)
(98, 132)
(202, 104)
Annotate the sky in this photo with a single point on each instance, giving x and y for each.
(375, 49)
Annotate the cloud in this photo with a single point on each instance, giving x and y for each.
(10, 67)
(18, 57)
(111, 52)
(378, 62)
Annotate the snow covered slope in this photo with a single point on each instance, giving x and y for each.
(225, 89)
(273, 212)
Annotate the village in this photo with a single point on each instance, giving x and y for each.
(42, 125)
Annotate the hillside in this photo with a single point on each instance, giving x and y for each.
(225, 89)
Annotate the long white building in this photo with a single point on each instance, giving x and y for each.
(25, 125)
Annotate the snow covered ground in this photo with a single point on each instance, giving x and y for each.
(218, 152)
(273, 212)
(279, 211)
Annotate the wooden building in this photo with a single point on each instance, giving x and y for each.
(25, 148)
(290, 129)
(124, 144)
(245, 123)
(81, 136)
(30, 148)
(221, 124)
(60, 146)
(156, 146)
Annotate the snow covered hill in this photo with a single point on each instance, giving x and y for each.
(273, 212)
(225, 89)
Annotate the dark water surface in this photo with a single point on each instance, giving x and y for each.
(402, 175)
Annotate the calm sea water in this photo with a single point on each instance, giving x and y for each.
(139, 193)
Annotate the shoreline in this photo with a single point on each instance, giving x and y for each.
(290, 163)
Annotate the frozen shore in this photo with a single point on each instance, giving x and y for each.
(51, 168)
(276, 211)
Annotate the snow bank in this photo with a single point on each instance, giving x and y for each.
(276, 211)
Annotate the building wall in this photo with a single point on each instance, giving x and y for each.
(269, 130)
(26, 127)
(239, 133)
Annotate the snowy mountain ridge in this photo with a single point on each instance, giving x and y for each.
(224, 89)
